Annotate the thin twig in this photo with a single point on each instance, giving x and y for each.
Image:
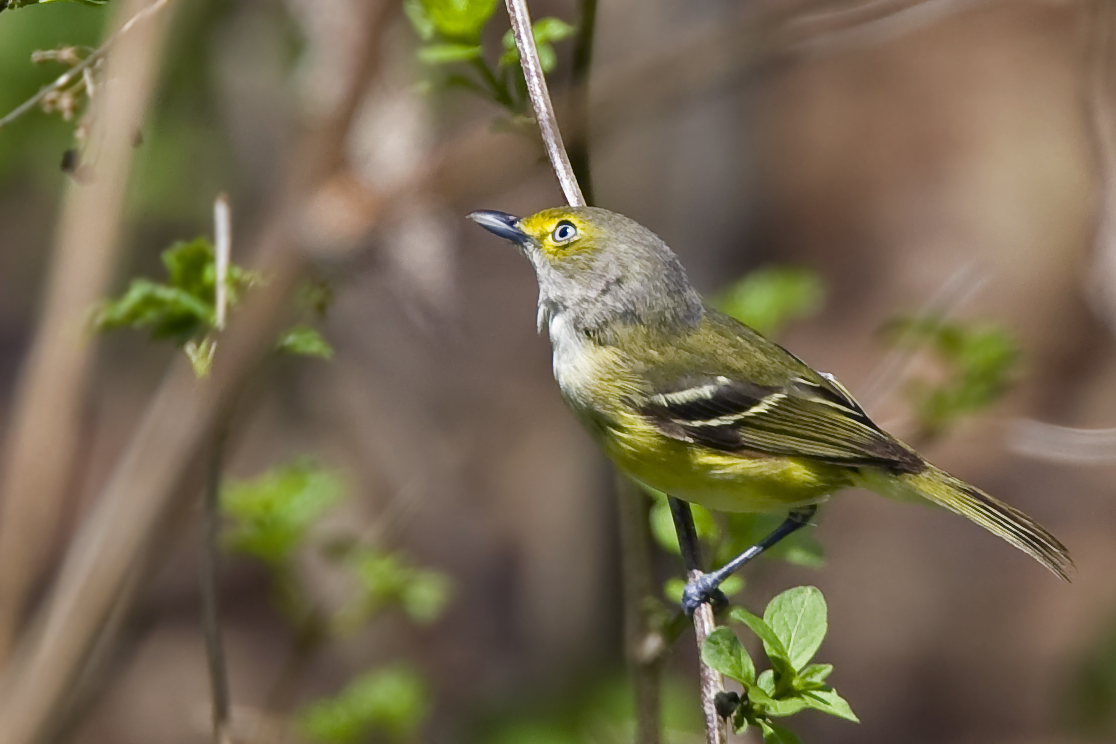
(211, 517)
(222, 248)
(540, 102)
(79, 69)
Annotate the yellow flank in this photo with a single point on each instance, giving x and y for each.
(736, 482)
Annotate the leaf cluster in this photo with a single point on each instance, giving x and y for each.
(792, 629)
(183, 308)
(979, 362)
(451, 34)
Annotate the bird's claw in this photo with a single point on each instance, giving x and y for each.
(701, 590)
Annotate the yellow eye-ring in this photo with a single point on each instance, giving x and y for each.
(563, 232)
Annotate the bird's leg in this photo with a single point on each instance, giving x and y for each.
(691, 555)
(704, 588)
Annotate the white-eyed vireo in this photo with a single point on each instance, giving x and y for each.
(699, 406)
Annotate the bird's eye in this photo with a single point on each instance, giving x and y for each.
(564, 232)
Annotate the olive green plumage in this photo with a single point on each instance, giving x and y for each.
(695, 404)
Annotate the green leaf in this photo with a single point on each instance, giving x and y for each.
(814, 676)
(769, 298)
(773, 734)
(420, 19)
(393, 701)
(271, 514)
(302, 340)
(798, 618)
(772, 643)
(828, 701)
(723, 652)
(459, 19)
(444, 54)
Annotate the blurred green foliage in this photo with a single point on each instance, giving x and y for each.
(768, 299)
(272, 513)
(792, 629)
(595, 710)
(274, 518)
(390, 701)
(979, 363)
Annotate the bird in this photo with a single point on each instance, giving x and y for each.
(691, 402)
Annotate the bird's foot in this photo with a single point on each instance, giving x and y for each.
(701, 590)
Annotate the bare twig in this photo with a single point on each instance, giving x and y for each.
(1043, 441)
(540, 102)
(211, 514)
(222, 248)
(50, 392)
(79, 70)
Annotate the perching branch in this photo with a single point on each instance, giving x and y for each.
(716, 732)
(540, 102)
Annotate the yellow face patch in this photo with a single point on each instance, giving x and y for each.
(559, 232)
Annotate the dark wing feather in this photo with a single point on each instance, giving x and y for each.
(814, 419)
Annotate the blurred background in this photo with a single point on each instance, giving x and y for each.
(916, 159)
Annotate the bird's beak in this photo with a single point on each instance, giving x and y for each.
(501, 223)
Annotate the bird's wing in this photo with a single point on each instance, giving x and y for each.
(800, 414)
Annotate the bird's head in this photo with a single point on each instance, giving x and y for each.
(598, 268)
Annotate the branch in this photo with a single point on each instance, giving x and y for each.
(704, 622)
(42, 441)
(211, 515)
(540, 102)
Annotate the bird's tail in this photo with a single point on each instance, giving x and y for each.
(941, 488)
